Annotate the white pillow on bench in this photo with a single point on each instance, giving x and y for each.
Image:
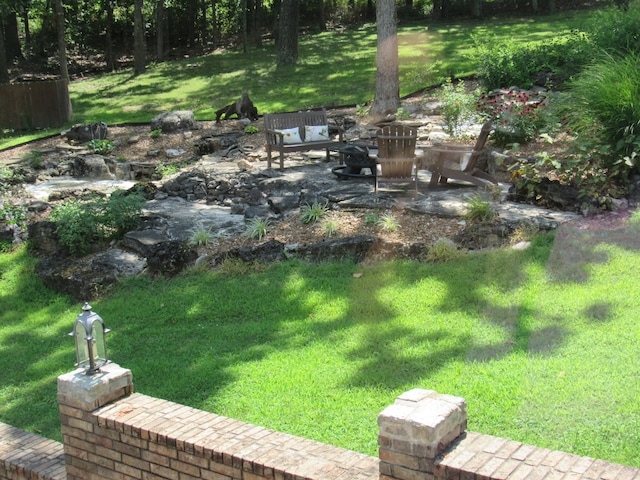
(290, 135)
(316, 133)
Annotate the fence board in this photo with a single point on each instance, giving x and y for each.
(35, 105)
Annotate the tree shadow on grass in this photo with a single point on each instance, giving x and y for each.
(184, 338)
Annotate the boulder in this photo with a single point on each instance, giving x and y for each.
(268, 252)
(91, 166)
(43, 238)
(170, 258)
(174, 121)
(86, 132)
(89, 277)
(353, 249)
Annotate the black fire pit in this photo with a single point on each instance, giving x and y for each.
(356, 159)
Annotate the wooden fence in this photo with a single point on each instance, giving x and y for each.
(39, 104)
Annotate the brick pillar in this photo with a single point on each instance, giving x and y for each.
(79, 395)
(415, 430)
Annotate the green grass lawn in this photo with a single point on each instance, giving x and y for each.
(335, 68)
(542, 343)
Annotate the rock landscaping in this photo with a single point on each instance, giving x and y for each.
(220, 182)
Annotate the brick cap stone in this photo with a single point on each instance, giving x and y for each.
(91, 388)
(424, 417)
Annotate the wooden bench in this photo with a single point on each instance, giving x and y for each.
(281, 128)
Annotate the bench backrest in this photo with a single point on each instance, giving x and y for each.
(282, 121)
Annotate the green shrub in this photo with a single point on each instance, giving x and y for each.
(251, 129)
(120, 213)
(504, 63)
(615, 30)
(80, 225)
(371, 218)
(605, 105)
(76, 226)
(13, 217)
(156, 133)
(101, 147)
(167, 169)
(458, 107)
(313, 213)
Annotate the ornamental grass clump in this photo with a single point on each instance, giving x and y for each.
(478, 209)
(388, 223)
(313, 213)
(257, 228)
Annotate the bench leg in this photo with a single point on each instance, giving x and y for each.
(268, 156)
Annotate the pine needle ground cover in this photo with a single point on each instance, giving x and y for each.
(542, 343)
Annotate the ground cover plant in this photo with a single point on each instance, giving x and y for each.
(541, 342)
(335, 68)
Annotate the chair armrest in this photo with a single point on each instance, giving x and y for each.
(279, 136)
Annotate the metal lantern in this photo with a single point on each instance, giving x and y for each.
(91, 345)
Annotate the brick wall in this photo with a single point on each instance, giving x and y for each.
(111, 433)
(25, 456)
(483, 457)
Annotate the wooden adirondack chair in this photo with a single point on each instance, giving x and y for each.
(396, 155)
(459, 162)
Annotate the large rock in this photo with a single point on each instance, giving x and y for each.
(43, 238)
(173, 121)
(170, 258)
(268, 252)
(86, 132)
(92, 166)
(89, 277)
(352, 249)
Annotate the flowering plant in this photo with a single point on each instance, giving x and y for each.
(457, 107)
(515, 115)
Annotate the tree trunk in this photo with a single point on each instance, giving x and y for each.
(139, 51)
(436, 13)
(109, 55)
(288, 33)
(4, 67)
(27, 30)
(160, 18)
(244, 39)
(204, 34)
(256, 24)
(192, 9)
(476, 8)
(387, 97)
(215, 33)
(62, 44)
(11, 37)
(371, 10)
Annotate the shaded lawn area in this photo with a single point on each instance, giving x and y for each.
(335, 68)
(543, 343)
